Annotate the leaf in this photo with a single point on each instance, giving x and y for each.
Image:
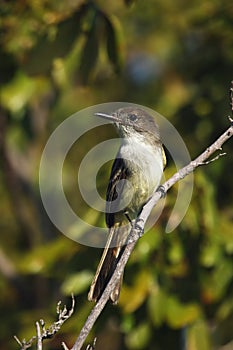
(16, 94)
(175, 252)
(198, 336)
(77, 283)
(133, 296)
(179, 315)
(216, 282)
(157, 306)
(225, 309)
(114, 42)
(139, 337)
(57, 42)
(89, 53)
(226, 229)
(44, 257)
(210, 254)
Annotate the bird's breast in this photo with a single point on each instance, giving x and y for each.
(145, 167)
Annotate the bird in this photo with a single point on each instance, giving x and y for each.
(136, 173)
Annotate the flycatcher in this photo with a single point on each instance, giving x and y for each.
(135, 175)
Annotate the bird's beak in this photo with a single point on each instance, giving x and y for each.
(111, 118)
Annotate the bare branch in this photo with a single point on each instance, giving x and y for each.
(64, 346)
(214, 159)
(39, 337)
(231, 97)
(47, 333)
(138, 228)
(91, 347)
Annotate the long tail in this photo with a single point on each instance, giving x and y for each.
(106, 267)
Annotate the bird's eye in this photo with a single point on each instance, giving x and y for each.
(133, 117)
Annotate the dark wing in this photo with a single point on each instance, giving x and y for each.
(115, 188)
(112, 251)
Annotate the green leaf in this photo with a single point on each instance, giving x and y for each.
(179, 315)
(114, 42)
(77, 283)
(225, 309)
(17, 94)
(226, 229)
(216, 282)
(210, 254)
(90, 52)
(133, 296)
(176, 251)
(157, 306)
(57, 42)
(40, 261)
(139, 337)
(198, 336)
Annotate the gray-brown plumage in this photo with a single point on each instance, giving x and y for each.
(135, 175)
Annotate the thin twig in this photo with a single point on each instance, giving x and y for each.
(91, 346)
(138, 228)
(65, 347)
(39, 337)
(215, 158)
(46, 333)
(231, 97)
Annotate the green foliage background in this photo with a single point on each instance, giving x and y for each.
(58, 57)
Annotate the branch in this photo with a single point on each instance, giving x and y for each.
(231, 97)
(42, 332)
(138, 228)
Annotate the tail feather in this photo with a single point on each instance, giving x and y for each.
(106, 268)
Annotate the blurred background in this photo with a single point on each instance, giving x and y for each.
(59, 57)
